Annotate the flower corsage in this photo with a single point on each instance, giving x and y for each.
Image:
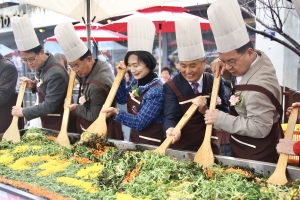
(219, 101)
(236, 99)
(41, 81)
(83, 99)
(134, 92)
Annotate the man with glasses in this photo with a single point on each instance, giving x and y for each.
(51, 78)
(95, 78)
(254, 119)
(190, 83)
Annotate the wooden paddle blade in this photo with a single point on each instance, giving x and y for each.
(185, 118)
(99, 125)
(12, 133)
(62, 138)
(279, 175)
(204, 155)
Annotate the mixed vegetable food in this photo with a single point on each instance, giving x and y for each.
(95, 168)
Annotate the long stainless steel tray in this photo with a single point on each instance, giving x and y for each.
(264, 168)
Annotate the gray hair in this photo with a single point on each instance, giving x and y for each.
(202, 59)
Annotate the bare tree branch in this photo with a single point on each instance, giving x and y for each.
(256, 19)
(295, 50)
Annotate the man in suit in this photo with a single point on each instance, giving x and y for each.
(8, 97)
(254, 120)
(51, 77)
(95, 78)
(190, 83)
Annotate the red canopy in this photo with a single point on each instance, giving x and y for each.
(161, 16)
(97, 36)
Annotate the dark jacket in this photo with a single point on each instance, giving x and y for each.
(8, 80)
(54, 88)
(172, 109)
(91, 109)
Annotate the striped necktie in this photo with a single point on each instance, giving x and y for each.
(195, 88)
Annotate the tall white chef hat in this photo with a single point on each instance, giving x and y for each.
(24, 33)
(69, 41)
(227, 25)
(189, 39)
(141, 33)
(296, 4)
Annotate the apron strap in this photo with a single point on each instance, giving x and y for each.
(260, 89)
(52, 65)
(174, 88)
(105, 91)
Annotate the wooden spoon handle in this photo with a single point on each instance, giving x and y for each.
(21, 93)
(204, 155)
(279, 176)
(185, 118)
(114, 88)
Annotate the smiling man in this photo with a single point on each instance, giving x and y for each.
(95, 78)
(51, 77)
(254, 119)
(190, 83)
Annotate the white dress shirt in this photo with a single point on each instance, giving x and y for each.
(200, 82)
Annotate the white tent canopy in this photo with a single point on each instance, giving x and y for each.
(4, 50)
(110, 46)
(93, 10)
(100, 9)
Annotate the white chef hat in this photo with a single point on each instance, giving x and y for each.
(189, 39)
(296, 4)
(69, 41)
(227, 25)
(24, 33)
(141, 33)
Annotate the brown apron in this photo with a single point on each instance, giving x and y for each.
(51, 121)
(192, 134)
(261, 149)
(114, 128)
(6, 117)
(152, 134)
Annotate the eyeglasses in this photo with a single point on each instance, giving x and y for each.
(76, 67)
(232, 63)
(29, 60)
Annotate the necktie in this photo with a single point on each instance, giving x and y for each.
(195, 88)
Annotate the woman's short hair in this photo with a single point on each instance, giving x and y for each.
(143, 56)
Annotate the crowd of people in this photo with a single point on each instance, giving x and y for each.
(247, 118)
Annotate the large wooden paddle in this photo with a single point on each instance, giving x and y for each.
(204, 155)
(62, 137)
(185, 118)
(99, 125)
(279, 176)
(12, 133)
